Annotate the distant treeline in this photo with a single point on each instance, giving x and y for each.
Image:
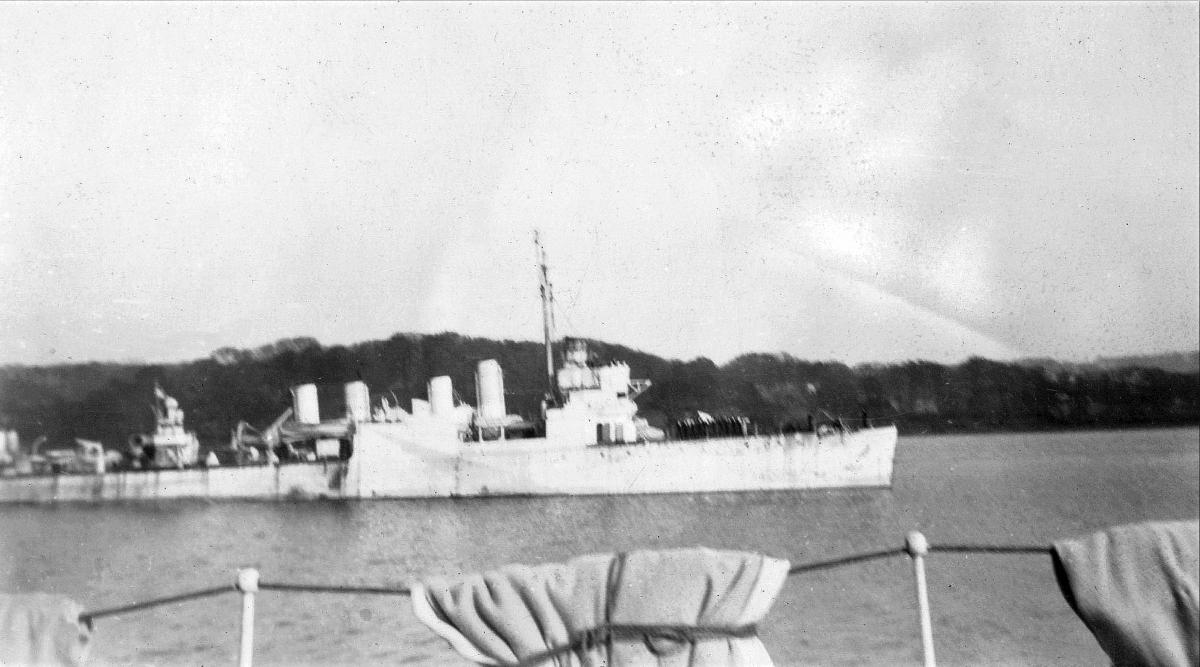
(108, 402)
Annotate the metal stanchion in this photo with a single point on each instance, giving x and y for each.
(247, 583)
(917, 546)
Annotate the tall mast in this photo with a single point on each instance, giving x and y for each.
(547, 312)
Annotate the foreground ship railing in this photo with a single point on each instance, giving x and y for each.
(248, 584)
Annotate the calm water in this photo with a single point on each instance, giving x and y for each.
(1017, 489)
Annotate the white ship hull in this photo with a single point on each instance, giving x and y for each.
(391, 461)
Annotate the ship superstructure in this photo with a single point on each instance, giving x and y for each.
(587, 403)
(598, 402)
(170, 445)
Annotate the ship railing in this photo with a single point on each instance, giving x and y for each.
(248, 585)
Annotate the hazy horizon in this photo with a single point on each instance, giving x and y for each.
(853, 182)
(719, 361)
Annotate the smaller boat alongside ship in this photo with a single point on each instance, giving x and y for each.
(588, 440)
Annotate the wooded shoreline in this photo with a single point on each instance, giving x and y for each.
(108, 401)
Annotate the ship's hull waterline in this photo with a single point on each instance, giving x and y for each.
(391, 463)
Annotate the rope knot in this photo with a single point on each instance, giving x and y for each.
(667, 641)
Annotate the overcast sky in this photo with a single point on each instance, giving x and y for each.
(862, 182)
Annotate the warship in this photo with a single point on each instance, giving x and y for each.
(588, 440)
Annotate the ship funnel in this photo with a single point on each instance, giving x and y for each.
(489, 391)
(304, 404)
(441, 396)
(358, 401)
